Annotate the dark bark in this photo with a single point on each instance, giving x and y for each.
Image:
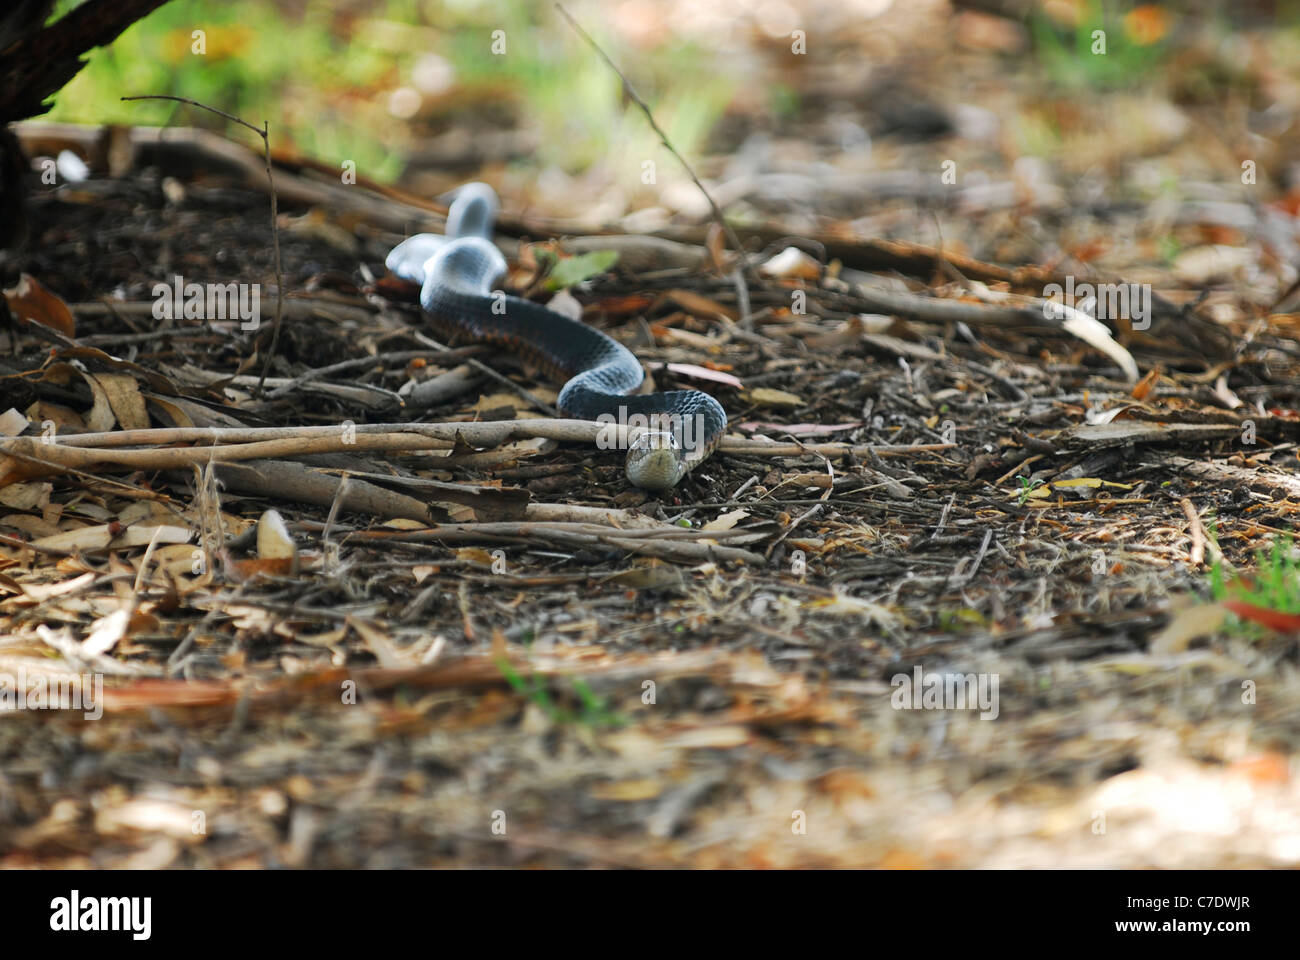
(36, 60)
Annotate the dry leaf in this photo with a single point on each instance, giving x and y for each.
(30, 302)
(274, 542)
(169, 412)
(26, 496)
(475, 555)
(1143, 388)
(499, 401)
(32, 526)
(700, 306)
(792, 263)
(1202, 265)
(720, 737)
(41, 592)
(63, 419)
(726, 521)
(100, 536)
(767, 397)
(380, 644)
(1187, 625)
(117, 399)
(105, 633)
(1264, 768)
(1265, 616)
(628, 790)
(1222, 391)
(698, 373)
(12, 423)
(258, 566)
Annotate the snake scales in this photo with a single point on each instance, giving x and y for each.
(456, 274)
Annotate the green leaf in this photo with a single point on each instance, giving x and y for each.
(582, 267)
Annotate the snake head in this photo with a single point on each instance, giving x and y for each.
(655, 461)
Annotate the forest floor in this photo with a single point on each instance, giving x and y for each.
(491, 650)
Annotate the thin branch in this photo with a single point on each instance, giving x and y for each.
(630, 91)
(264, 133)
(476, 432)
(194, 103)
(101, 451)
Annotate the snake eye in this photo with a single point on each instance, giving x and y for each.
(654, 440)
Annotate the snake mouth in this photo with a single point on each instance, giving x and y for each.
(655, 461)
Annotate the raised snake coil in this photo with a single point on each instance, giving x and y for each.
(456, 273)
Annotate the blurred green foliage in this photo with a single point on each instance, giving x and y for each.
(1275, 584)
(322, 76)
(1103, 50)
(593, 711)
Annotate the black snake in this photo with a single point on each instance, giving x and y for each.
(456, 274)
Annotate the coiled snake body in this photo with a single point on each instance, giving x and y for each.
(456, 274)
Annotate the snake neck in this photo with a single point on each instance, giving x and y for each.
(473, 211)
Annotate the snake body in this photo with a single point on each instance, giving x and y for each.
(456, 274)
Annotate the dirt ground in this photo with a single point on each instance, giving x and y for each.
(502, 654)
